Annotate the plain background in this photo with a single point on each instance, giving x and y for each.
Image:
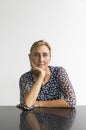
(60, 22)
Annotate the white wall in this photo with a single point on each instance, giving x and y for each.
(61, 22)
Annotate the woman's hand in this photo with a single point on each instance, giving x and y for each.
(37, 71)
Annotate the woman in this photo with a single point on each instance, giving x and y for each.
(45, 85)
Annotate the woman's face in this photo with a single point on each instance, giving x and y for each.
(40, 57)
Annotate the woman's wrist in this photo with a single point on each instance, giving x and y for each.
(40, 78)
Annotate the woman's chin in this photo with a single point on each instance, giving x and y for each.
(42, 67)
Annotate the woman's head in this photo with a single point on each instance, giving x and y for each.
(40, 54)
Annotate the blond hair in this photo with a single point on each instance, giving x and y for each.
(40, 43)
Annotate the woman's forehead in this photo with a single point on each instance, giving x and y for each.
(42, 48)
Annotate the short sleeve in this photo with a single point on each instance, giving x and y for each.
(66, 87)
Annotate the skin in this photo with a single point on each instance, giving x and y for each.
(40, 59)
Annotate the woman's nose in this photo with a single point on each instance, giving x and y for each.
(40, 58)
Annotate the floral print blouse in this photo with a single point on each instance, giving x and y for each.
(58, 86)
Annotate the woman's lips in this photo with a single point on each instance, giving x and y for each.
(40, 65)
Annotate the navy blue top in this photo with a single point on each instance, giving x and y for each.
(58, 86)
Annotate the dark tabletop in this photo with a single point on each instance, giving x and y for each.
(12, 118)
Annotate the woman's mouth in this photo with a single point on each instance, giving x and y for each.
(40, 65)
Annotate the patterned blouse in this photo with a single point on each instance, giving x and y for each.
(58, 86)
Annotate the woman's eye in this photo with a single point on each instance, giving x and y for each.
(45, 55)
(36, 55)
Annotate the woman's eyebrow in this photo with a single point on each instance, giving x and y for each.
(45, 53)
(39, 53)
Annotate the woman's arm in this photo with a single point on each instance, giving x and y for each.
(66, 88)
(68, 99)
(52, 103)
(31, 96)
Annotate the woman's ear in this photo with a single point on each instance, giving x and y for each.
(29, 55)
(50, 58)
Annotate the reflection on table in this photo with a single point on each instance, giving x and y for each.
(47, 119)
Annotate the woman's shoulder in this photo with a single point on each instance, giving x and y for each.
(25, 75)
(57, 68)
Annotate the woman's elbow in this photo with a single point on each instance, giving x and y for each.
(28, 103)
(73, 103)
